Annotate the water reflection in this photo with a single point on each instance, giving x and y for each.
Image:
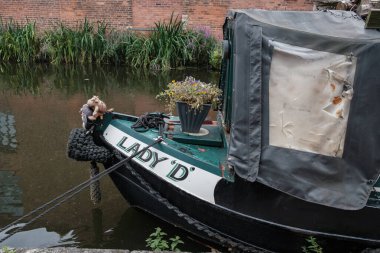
(21, 78)
(10, 194)
(7, 132)
(44, 100)
(90, 79)
(38, 238)
(124, 236)
(130, 232)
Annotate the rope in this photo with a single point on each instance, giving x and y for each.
(70, 193)
(149, 120)
(95, 192)
(81, 147)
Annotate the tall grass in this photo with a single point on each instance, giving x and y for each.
(138, 51)
(170, 42)
(165, 48)
(18, 43)
(84, 44)
(168, 46)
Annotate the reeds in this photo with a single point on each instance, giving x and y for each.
(168, 46)
(18, 43)
(170, 41)
(82, 45)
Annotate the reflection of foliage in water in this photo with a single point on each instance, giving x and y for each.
(90, 79)
(10, 194)
(21, 78)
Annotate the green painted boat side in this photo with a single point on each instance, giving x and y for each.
(212, 136)
(208, 158)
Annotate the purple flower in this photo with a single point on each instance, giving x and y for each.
(205, 30)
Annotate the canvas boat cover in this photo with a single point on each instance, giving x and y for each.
(306, 103)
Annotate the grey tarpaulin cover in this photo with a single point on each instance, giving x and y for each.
(306, 104)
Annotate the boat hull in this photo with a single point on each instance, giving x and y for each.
(221, 218)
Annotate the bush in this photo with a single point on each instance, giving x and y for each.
(216, 56)
(202, 43)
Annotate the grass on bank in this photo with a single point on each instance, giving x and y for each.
(18, 43)
(169, 45)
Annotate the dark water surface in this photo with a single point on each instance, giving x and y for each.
(39, 106)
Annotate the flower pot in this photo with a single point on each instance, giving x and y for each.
(191, 119)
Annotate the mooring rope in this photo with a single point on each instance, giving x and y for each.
(70, 193)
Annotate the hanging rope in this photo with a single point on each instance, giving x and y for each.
(45, 208)
(95, 192)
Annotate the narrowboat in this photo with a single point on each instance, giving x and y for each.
(294, 151)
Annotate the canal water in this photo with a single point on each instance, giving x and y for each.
(39, 106)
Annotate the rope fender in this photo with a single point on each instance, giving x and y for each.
(81, 147)
(95, 192)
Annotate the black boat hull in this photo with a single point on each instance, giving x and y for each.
(241, 226)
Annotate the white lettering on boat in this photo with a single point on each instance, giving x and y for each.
(145, 156)
(179, 173)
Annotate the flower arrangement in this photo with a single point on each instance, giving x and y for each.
(193, 92)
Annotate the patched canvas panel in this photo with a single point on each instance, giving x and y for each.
(309, 99)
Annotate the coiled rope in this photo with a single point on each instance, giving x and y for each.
(149, 120)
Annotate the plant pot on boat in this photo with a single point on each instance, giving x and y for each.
(192, 99)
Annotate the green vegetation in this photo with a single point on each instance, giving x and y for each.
(202, 44)
(18, 43)
(313, 246)
(216, 56)
(193, 92)
(157, 242)
(169, 45)
(85, 44)
(5, 249)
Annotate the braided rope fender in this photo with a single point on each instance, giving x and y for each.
(81, 147)
(95, 192)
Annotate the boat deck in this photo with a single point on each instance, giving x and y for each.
(205, 150)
